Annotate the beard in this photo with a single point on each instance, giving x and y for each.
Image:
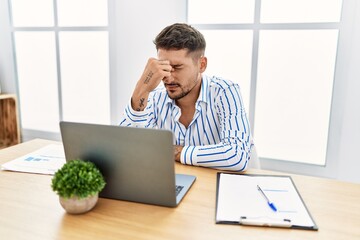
(183, 91)
(180, 95)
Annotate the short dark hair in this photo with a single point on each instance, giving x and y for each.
(181, 36)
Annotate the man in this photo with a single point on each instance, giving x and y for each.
(206, 114)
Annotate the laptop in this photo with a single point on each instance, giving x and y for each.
(137, 163)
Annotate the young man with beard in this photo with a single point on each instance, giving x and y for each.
(206, 114)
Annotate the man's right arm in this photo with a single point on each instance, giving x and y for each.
(155, 71)
(135, 114)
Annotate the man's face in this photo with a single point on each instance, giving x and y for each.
(185, 73)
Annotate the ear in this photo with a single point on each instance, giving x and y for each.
(203, 64)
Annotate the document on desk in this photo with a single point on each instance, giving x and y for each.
(261, 200)
(46, 160)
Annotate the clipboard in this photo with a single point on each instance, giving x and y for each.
(240, 201)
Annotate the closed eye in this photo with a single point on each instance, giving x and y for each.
(177, 67)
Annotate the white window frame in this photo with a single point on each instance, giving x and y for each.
(335, 120)
(127, 60)
(28, 134)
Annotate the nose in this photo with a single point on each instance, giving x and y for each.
(168, 79)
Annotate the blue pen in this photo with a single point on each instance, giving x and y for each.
(271, 204)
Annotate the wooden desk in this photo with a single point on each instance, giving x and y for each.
(30, 210)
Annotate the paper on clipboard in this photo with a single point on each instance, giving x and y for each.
(46, 160)
(239, 201)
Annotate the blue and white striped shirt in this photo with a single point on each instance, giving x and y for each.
(219, 134)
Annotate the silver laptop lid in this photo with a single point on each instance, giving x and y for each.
(137, 163)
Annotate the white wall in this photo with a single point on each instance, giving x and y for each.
(137, 24)
(349, 157)
(7, 77)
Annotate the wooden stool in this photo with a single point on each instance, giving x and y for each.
(9, 123)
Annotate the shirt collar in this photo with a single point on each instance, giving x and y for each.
(204, 90)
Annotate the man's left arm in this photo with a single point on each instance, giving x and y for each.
(233, 152)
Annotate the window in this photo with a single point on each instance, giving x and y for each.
(283, 54)
(62, 46)
(294, 97)
(235, 45)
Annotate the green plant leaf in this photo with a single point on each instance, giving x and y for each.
(77, 178)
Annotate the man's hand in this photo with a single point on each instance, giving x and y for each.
(155, 71)
(177, 152)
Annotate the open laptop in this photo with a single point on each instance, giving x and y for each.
(137, 163)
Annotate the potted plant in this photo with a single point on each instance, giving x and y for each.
(78, 184)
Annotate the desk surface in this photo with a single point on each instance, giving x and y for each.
(30, 210)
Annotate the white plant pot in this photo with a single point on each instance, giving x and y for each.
(77, 205)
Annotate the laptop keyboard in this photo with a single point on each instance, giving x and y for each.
(178, 189)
